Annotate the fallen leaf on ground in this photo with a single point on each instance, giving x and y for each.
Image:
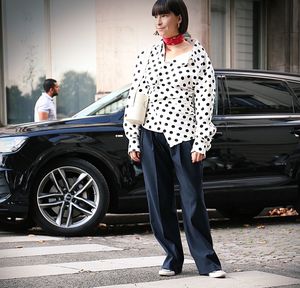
(260, 227)
(282, 212)
(102, 226)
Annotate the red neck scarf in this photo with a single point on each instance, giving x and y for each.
(174, 40)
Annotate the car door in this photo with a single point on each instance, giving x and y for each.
(261, 118)
(215, 164)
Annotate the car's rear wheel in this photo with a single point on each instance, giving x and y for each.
(71, 197)
(240, 213)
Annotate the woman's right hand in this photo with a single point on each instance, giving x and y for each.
(135, 156)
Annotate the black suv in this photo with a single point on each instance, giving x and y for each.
(66, 175)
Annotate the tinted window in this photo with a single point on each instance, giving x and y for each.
(218, 104)
(108, 104)
(113, 107)
(295, 86)
(257, 96)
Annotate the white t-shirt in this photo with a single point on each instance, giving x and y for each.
(45, 104)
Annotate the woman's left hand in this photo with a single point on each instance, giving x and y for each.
(197, 157)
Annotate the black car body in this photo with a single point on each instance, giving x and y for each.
(66, 175)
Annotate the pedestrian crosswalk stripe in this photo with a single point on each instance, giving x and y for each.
(49, 250)
(29, 238)
(76, 267)
(247, 279)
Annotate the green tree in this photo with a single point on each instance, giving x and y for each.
(20, 108)
(15, 105)
(77, 91)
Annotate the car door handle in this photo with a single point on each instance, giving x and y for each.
(296, 132)
(218, 134)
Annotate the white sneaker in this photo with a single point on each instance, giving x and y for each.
(166, 272)
(217, 274)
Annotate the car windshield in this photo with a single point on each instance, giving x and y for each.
(108, 104)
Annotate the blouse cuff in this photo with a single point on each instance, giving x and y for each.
(134, 145)
(199, 146)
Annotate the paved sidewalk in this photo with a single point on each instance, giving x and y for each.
(271, 247)
(248, 279)
(261, 254)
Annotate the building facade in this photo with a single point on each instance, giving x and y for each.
(90, 46)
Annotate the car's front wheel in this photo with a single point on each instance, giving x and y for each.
(71, 197)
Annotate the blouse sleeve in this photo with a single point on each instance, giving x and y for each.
(204, 100)
(132, 131)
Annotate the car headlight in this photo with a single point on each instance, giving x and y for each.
(11, 144)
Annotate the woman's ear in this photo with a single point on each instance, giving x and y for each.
(179, 20)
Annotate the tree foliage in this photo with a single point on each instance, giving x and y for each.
(77, 91)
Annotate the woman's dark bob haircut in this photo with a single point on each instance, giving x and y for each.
(177, 7)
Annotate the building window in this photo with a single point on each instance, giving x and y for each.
(237, 34)
(24, 56)
(48, 39)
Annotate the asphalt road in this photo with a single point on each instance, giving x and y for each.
(124, 251)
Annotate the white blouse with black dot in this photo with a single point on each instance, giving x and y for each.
(181, 95)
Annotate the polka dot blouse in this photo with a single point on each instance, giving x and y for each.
(181, 95)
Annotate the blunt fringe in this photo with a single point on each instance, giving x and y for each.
(178, 7)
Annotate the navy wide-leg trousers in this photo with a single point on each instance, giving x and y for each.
(158, 163)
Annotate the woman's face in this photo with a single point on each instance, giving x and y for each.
(167, 24)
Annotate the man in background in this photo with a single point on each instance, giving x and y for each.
(44, 107)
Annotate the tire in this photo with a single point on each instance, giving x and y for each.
(70, 198)
(297, 204)
(241, 213)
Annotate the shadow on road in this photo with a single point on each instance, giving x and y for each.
(139, 223)
(126, 224)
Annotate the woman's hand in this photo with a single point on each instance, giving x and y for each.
(135, 156)
(197, 157)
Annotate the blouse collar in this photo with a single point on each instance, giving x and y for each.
(196, 44)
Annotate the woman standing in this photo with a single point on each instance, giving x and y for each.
(178, 77)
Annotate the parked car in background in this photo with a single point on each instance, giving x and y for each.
(66, 175)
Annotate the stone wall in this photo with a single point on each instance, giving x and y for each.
(127, 27)
(2, 105)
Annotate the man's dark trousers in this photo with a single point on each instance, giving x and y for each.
(158, 163)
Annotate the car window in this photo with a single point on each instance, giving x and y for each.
(257, 95)
(295, 86)
(114, 106)
(110, 103)
(218, 104)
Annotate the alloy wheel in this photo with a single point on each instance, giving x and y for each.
(68, 197)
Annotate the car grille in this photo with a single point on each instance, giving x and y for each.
(4, 189)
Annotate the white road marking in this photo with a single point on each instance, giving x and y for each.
(76, 267)
(29, 238)
(48, 250)
(248, 279)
